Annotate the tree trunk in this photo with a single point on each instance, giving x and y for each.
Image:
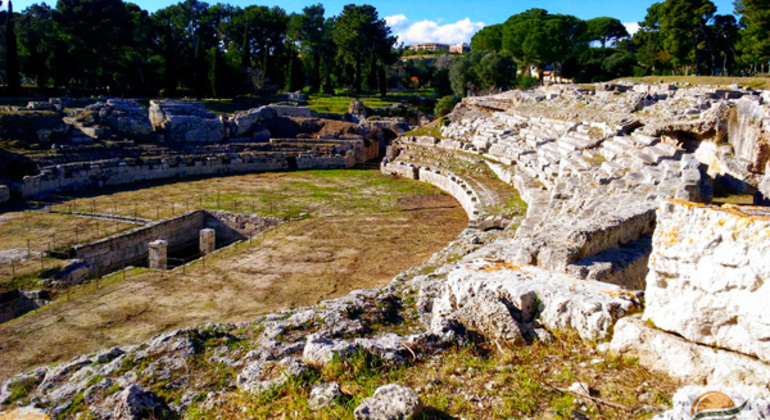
(315, 74)
(357, 77)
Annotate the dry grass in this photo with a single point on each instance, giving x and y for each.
(475, 382)
(752, 82)
(46, 231)
(274, 194)
(34, 233)
(393, 225)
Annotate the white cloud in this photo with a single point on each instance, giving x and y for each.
(396, 21)
(631, 27)
(410, 32)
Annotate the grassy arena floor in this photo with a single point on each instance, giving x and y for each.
(363, 228)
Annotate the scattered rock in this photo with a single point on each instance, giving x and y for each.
(324, 395)
(320, 351)
(260, 376)
(389, 402)
(134, 403)
(580, 388)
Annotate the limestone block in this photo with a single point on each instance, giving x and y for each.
(749, 132)
(708, 276)
(687, 361)
(158, 257)
(560, 301)
(390, 402)
(186, 121)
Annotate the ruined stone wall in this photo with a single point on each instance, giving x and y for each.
(400, 169)
(449, 183)
(232, 227)
(117, 172)
(709, 278)
(305, 162)
(456, 187)
(111, 253)
(74, 177)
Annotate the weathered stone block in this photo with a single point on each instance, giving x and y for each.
(158, 258)
(208, 241)
(708, 276)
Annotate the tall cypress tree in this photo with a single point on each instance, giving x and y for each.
(11, 54)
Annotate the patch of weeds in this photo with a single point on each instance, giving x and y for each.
(94, 380)
(426, 130)
(21, 388)
(563, 405)
(77, 405)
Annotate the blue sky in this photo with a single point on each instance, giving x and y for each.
(449, 21)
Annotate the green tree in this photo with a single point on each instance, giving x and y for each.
(605, 30)
(37, 43)
(679, 35)
(489, 38)
(497, 70)
(362, 38)
(754, 42)
(537, 38)
(313, 32)
(463, 74)
(94, 31)
(258, 36)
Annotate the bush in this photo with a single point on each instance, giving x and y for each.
(445, 105)
(524, 82)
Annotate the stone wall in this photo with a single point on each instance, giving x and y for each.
(116, 172)
(709, 276)
(292, 112)
(231, 227)
(16, 303)
(131, 248)
(449, 183)
(5, 194)
(305, 162)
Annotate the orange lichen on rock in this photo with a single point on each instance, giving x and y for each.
(498, 264)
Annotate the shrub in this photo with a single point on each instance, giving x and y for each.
(445, 105)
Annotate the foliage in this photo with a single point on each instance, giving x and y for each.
(537, 38)
(363, 39)
(445, 105)
(488, 70)
(754, 43)
(489, 38)
(192, 48)
(604, 30)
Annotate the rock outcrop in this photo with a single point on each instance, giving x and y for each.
(709, 276)
(186, 121)
(113, 117)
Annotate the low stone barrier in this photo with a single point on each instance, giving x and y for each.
(449, 183)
